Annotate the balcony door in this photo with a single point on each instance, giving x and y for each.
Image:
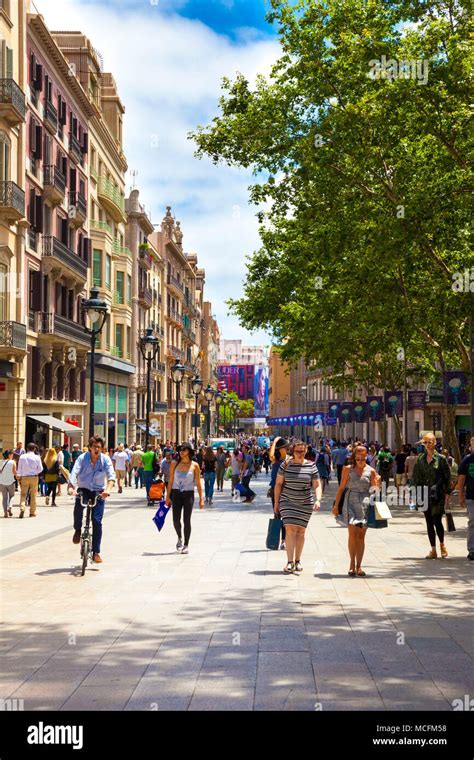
(6, 62)
(3, 293)
(4, 157)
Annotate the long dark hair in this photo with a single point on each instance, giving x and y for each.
(358, 445)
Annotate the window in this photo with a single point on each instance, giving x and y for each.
(119, 340)
(100, 396)
(122, 399)
(129, 341)
(97, 268)
(119, 287)
(108, 271)
(6, 62)
(4, 157)
(3, 293)
(107, 334)
(129, 289)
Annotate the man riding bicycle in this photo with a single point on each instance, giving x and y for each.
(89, 474)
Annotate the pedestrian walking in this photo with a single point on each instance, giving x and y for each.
(209, 465)
(400, 478)
(431, 471)
(166, 467)
(137, 466)
(267, 463)
(236, 465)
(148, 458)
(185, 475)
(17, 452)
(221, 464)
(324, 467)
(340, 456)
(120, 461)
(385, 464)
(51, 474)
(66, 457)
(278, 455)
(465, 485)
(7, 481)
(75, 453)
(296, 480)
(246, 472)
(361, 480)
(410, 465)
(60, 458)
(29, 468)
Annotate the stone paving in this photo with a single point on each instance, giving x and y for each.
(223, 628)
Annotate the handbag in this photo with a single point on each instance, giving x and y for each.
(228, 473)
(382, 512)
(372, 521)
(273, 533)
(450, 522)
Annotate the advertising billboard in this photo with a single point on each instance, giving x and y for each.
(261, 392)
(239, 378)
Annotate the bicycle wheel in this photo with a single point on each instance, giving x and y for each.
(85, 555)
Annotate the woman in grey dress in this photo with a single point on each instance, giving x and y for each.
(359, 479)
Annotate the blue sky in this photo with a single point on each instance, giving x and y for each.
(168, 59)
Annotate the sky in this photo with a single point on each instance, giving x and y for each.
(168, 58)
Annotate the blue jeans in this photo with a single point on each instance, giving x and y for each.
(148, 478)
(246, 484)
(139, 479)
(209, 480)
(97, 515)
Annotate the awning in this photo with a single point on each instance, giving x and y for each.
(151, 431)
(52, 422)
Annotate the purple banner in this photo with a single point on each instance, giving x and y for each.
(454, 388)
(347, 412)
(375, 408)
(416, 399)
(360, 411)
(334, 409)
(394, 403)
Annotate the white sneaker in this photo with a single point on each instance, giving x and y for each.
(179, 545)
(282, 545)
(185, 550)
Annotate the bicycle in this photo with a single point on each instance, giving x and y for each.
(86, 536)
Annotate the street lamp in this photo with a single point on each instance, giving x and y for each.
(94, 310)
(149, 345)
(197, 388)
(177, 373)
(218, 405)
(209, 394)
(225, 401)
(235, 406)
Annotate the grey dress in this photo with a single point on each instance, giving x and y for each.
(358, 488)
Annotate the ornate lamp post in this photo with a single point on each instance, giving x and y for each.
(149, 346)
(94, 310)
(218, 407)
(209, 394)
(225, 401)
(177, 373)
(197, 388)
(234, 413)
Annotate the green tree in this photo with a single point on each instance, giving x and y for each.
(366, 183)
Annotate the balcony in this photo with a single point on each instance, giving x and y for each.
(32, 239)
(120, 301)
(111, 199)
(190, 367)
(97, 226)
(175, 316)
(161, 407)
(158, 368)
(172, 405)
(54, 183)
(12, 102)
(120, 250)
(173, 282)
(62, 327)
(75, 148)
(145, 297)
(77, 208)
(145, 259)
(50, 117)
(12, 338)
(12, 202)
(57, 256)
(175, 352)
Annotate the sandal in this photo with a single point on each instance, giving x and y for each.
(351, 573)
(290, 567)
(298, 567)
(361, 574)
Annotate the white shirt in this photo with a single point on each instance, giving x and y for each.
(6, 472)
(120, 459)
(29, 465)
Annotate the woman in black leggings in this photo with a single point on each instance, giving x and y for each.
(431, 472)
(184, 475)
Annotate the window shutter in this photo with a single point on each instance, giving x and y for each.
(32, 136)
(37, 294)
(31, 208)
(72, 180)
(9, 63)
(64, 231)
(32, 68)
(39, 143)
(38, 224)
(39, 78)
(85, 143)
(63, 114)
(86, 251)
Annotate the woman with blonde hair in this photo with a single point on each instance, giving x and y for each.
(51, 474)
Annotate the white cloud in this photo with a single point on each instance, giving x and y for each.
(168, 71)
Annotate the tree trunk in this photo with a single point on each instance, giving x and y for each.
(398, 432)
(382, 425)
(450, 437)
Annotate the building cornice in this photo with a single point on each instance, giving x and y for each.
(103, 132)
(37, 24)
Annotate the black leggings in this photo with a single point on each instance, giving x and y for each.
(182, 500)
(52, 490)
(433, 522)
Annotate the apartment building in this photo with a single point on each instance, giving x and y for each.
(147, 311)
(13, 83)
(112, 262)
(209, 347)
(58, 243)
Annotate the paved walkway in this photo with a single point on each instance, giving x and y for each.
(223, 628)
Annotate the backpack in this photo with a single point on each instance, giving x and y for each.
(385, 465)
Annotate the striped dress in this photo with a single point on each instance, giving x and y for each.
(297, 496)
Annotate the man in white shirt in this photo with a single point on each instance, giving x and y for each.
(120, 460)
(29, 468)
(128, 476)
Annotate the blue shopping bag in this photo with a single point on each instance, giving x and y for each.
(273, 533)
(241, 489)
(160, 517)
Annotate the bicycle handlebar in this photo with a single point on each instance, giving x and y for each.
(89, 501)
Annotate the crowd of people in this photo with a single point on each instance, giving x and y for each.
(299, 475)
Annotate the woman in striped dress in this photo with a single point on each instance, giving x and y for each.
(294, 500)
